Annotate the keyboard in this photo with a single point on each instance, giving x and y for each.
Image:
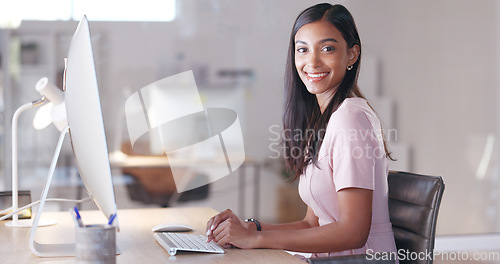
(172, 242)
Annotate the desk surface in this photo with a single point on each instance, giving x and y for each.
(135, 239)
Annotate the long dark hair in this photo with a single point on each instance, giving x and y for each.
(304, 124)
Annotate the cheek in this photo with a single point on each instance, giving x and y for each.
(338, 76)
(298, 64)
(338, 68)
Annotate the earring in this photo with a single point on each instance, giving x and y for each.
(349, 67)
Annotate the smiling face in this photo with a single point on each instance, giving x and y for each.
(321, 59)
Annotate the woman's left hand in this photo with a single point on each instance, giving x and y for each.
(232, 232)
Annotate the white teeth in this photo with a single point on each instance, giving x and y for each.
(316, 75)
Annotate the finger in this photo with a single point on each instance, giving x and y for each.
(216, 232)
(221, 231)
(216, 222)
(225, 242)
(221, 239)
(210, 221)
(209, 236)
(209, 224)
(221, 217)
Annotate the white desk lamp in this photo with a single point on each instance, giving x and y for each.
(58, 117)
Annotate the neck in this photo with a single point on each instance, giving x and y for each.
(323, 100)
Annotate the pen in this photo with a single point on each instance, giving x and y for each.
(73, 216)
(111, 219)
(78, 217)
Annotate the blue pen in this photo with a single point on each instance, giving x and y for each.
(73, 216)
(111, 219)
(78, 217)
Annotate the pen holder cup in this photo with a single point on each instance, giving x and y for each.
(96, 244)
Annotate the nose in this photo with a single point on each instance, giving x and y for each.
(313, 60)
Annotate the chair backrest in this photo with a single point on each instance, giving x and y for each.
(413, 207)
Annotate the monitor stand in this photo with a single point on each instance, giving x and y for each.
(51, 250)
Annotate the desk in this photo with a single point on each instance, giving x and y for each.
(135, 239)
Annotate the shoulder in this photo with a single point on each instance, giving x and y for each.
(352, 113)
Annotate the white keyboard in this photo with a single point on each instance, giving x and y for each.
(172, 242)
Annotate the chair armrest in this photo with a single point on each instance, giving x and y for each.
(353, 259)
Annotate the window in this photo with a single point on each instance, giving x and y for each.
(124, 10)
(96, 10)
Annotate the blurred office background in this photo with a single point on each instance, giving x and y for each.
(429, 67)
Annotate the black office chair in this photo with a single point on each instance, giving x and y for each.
(413, 208)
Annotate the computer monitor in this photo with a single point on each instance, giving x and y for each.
(88, 140)
(85, 121)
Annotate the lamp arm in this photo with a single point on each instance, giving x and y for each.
(39, 101)
(15, 183)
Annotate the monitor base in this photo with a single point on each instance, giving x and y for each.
(57, 250)
(29, 223)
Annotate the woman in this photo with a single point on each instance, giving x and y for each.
(342, 165)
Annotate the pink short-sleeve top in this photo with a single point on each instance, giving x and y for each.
(352, 155)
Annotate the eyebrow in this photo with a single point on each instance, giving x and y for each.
(321, 41)
(328, 39)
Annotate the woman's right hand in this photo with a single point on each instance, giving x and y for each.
(214, 222)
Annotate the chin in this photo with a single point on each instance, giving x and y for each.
(314, 90)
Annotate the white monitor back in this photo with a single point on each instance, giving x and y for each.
(85, 121)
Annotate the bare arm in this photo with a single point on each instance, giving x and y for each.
(310, 220)
(348, 232)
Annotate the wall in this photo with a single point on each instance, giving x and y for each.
(438, 65)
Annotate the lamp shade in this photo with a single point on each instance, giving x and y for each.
(53, 112)
(42, 117)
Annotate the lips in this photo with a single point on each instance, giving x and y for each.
(316, 76)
